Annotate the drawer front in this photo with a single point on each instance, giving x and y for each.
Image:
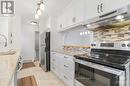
(53, 61)
(68, 64)
(69, 58)
(69, 70)
(69, 73)
(53, 68)
(53, 53)
(69, 81)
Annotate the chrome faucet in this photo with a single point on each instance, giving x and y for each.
(5, 39)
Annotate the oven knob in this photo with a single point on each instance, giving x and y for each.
(128, 45)
(123, 45)
(93, 45)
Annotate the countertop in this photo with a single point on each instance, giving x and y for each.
(69, 52)
(8, 65)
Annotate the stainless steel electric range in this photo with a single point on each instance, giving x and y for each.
(106, 65)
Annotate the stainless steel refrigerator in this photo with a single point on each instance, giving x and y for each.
(45, 51)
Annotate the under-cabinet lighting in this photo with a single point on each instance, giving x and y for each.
(119, 17)
(81, 33)
(86, 32)
(88, 25)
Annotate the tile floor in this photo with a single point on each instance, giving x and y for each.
(42, 78)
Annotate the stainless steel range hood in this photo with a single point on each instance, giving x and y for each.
(116, 18)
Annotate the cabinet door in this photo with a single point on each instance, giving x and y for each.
(79, 11)
(53, 62)
(60, 23)
(70, 11)
(12, 82)
(111, 5)
(91, 8)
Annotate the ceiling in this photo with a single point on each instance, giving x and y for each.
(27, 8)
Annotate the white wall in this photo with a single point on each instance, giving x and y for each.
(15, 29)
(27, 40)
(3, 30)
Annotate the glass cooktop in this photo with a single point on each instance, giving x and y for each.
(108, 58)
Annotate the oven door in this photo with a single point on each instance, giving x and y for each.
(90, 74)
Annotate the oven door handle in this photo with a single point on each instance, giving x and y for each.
(100, 67)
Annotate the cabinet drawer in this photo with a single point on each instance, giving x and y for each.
(68, 63)
(53, 60)
(68, 59)
(53, 67)
(68, 69)
(69, 72)
(69, 81)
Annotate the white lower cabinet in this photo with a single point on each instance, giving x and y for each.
(63, 66)
(14, 80)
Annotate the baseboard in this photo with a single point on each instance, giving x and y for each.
(27, 60)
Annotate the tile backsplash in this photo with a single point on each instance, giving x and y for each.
(76, 48)
(112, 34)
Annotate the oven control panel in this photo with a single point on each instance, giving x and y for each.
(125, 45)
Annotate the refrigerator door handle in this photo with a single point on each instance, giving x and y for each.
(45, 49)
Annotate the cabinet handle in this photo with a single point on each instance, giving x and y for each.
(66, 66)
(60, 25)
(101, 7)
(65, 77)
(53, 59)
(65, 57)
(54, 53)
(53, 68)
(98, 7)
(74, 19)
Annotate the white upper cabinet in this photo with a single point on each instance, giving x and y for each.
(72, 15)
(69, 11)
(111, 5)
(82, 10)
(91, 9)
(79, 11)
(61, 22)
(95, 8)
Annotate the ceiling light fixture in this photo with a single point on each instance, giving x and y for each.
(42, 6)
(39, 12)
(36, 16)
(119, 17)
(33, 23)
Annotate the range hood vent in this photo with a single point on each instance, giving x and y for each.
(116, 18)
